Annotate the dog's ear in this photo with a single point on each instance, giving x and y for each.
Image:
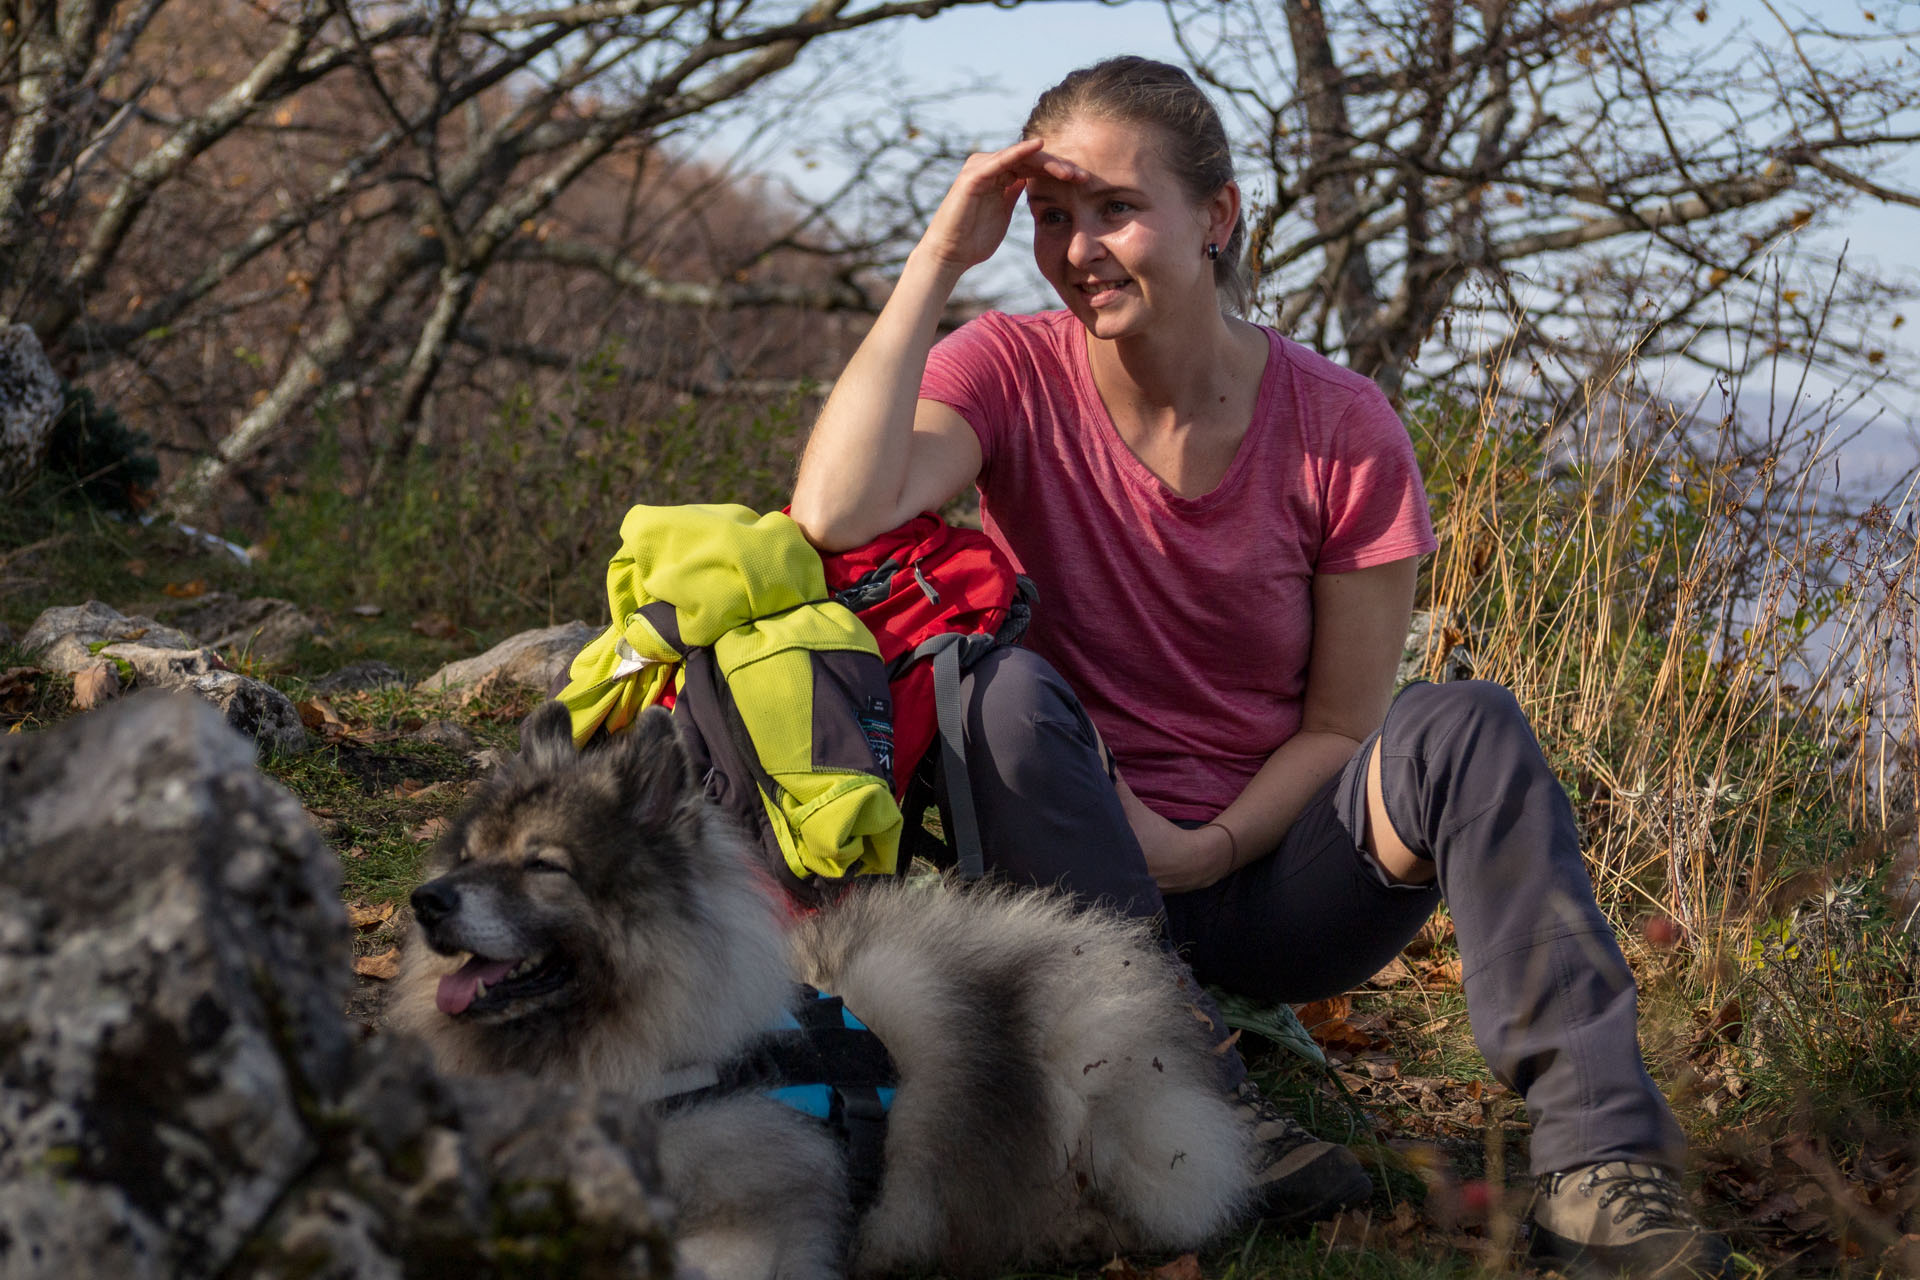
(656, 777)
(546, 736)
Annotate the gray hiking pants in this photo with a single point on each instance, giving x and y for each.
(1550, 997)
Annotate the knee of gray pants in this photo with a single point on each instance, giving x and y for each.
(1048, 811)
(1446, 750)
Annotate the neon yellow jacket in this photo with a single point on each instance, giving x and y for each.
(749, 590)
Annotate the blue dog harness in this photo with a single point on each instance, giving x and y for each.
(823, 1062)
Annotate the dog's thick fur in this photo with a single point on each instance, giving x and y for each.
(1057, 1095)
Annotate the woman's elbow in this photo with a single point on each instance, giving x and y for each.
(825, 527)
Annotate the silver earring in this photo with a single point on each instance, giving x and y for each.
(1213, 251)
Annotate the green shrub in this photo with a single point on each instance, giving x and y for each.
(93, 454)
(512, 526)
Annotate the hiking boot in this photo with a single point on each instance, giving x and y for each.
(1299, 1178)
(1622, 1217)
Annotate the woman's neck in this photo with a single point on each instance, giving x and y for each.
(1174, 377)
(1183, 407)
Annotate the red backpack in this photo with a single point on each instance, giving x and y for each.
(937, 598)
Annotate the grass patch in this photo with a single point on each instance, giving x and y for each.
(380, 788)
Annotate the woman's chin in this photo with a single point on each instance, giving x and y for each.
(1115, 320)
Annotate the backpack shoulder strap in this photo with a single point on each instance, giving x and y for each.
(952, 652)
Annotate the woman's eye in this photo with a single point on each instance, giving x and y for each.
(1118, 207)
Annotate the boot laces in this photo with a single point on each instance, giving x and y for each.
(1653, 1196)
(1277, 1132)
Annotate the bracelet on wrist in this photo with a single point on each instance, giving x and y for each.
(1233, 846)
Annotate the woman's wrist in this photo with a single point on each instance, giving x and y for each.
(931, 268)
(1231, 857)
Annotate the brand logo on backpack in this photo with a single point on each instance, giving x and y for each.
(876, 722)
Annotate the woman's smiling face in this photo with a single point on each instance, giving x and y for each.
(1126, 247)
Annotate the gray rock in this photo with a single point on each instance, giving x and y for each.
(533, 658)
(1428, 628)
(70, 638)
(173, 954)
(261, 626)
(65, 638)
(30, 399)
(165, 668)
(179, 1092)
(454, 1176)
(360, 675)
(446, 733)
(253, 708)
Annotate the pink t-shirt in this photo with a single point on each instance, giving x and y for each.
(1184, 624)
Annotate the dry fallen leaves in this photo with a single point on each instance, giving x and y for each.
(95, 686)
(1332, 1025)
(383, 965)
(431, 829)
(486, 686)
(318, 715)
(186, 590)
(1440, 971)
(16, 689)
(1184, 1267)
(365, 915)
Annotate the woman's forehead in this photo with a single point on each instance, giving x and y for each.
(1118, 155)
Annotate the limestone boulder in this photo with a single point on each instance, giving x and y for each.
(180, 1093)
(252, 707)
(173, 956)
(259, 626)
(444, 1177)
(30, 400)
(72, 638)
(66, 638)
(163, 667)
(537, 659)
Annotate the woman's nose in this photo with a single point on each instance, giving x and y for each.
(1084, 247)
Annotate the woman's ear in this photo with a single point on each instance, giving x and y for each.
(1223, 212)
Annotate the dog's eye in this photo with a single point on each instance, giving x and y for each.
(538, 863)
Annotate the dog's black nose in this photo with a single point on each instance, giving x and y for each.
(434, 901)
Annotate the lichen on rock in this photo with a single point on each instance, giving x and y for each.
(180, 1092)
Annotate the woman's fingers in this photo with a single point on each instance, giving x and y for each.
(1064, 170)
(1028, 159)
(972, 220)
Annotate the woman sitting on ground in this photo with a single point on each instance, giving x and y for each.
(1224, 527)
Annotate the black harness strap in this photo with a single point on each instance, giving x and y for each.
(829, 1049)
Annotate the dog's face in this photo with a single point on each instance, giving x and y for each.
(547, 876)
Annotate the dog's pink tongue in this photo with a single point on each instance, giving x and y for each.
(457, 988)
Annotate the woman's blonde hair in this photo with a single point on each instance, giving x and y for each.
(1193, 142)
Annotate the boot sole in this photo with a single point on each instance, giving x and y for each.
(1584, 1262)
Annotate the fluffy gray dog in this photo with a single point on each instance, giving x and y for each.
(597, 922)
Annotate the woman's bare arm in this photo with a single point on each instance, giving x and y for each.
(1359, 632)
(879, 454)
